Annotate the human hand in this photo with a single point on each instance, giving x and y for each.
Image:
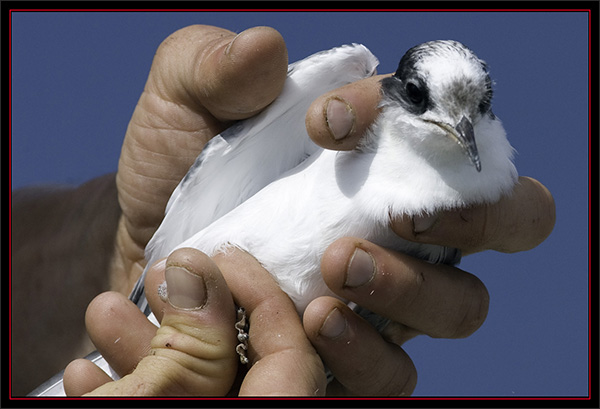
(328, 128)
(418, 297)
(453, 303)
(201, 79)
(193, 352)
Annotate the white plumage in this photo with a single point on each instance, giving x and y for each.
(252, 153)
(264, 187)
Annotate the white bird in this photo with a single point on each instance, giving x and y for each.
(263, 186)
(252, 153)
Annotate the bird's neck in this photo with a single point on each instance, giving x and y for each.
(395, 176)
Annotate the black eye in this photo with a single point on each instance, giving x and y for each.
(411, 93)
(414, 93)
(484, 106)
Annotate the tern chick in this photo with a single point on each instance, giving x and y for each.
(264, 187)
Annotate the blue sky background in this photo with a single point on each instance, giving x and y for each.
(76, 78)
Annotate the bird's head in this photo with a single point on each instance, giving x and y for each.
(437, 135)
(444, 90)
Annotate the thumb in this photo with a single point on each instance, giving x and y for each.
(193, 351)
(201, 79)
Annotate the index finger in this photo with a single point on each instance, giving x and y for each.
(283, 361)
(339, 119)
(517, 222)
(201, 79)
(232, 76)
(435, 299)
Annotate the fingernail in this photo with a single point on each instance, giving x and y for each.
(423, 223)
(361, 269)
(185, 290)
(340, 118)
(334, 325)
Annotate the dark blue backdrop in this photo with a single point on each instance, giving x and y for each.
(76, 77)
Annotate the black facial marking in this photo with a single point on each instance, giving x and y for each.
(410, 90)
(415, 93)
(406, 86)
(486, 102)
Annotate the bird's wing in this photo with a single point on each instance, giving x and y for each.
(252, 153)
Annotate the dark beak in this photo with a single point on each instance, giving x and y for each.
(465, 136)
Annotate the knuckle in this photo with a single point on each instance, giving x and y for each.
(172, 42)
(175, 39)
(190, 359)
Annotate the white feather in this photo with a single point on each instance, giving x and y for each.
(248, 156)
(405, 166)
(311, 197)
